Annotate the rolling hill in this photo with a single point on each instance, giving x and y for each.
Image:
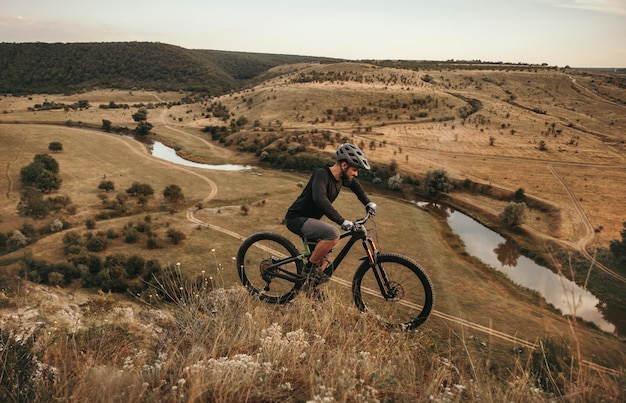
(65, 68)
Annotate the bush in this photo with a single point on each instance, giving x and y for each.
(55, 278)
(514, 214)
(436, 182)
(175, 236)
(153, 242)
(173, 193)
(395, 182)
(131, 235)
(106, 185)
(96, 243)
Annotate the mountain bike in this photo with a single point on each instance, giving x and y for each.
(389, 286)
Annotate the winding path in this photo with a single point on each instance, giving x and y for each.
(9, 164)
(590, 233)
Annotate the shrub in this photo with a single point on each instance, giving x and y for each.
(55, 278)
(106, 185)
(514, 214)
(175, 236)
(153, 242)
(436, 182)
(131, 235)
(96, 244)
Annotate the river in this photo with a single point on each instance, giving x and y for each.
(164, 152)
(501, 254)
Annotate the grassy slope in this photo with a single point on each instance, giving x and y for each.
(463, 289)
(591, 123)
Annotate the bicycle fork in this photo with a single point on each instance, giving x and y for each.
(387, 289)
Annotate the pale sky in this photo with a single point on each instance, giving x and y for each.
(577, 33)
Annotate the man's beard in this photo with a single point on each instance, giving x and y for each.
(345, 181)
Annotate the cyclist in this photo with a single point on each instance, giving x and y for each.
(304, 216)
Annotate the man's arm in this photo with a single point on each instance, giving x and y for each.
(358, 190)
(319, 185)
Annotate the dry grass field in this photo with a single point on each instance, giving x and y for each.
(578, 174)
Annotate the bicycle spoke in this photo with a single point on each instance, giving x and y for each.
(410, 300)
(257, 266)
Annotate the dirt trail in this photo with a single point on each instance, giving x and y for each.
(9, 164)
(590, 233)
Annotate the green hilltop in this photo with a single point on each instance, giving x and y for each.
(27, 68)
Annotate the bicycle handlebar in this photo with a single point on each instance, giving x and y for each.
(358, 223)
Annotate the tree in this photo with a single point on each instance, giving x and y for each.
(55, 146)
(436, 182)
(514, 214)
(48, 162)
(17, 239)
(48, 181)
(106, 185)
(395, 182)
(30, 173)
(106, 125)
(175, 236)
(143, 128)
(135, 266)
(241, 121)
(617, 247)
(173, 193)
(32, 204)
(141, 115)
(41, 173)
(96, 243)
(142, 189)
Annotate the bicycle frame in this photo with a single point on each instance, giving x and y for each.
(402, 283)
(358, 233)
(355, 235)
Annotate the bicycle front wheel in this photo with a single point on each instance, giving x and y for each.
(258, 264)
(396, 291)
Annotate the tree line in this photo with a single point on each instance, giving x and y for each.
(59, 68)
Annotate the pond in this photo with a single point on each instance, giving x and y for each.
(503, 255)
(164, 152)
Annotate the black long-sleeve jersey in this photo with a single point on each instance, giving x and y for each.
(318, 195)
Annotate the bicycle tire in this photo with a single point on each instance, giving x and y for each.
(257, 252)
(414, 298)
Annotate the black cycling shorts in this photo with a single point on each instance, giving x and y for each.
(312, 228)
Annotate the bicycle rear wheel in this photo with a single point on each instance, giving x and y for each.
(256, 266)
(410, 290)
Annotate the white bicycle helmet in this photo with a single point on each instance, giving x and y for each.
(352, 155)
